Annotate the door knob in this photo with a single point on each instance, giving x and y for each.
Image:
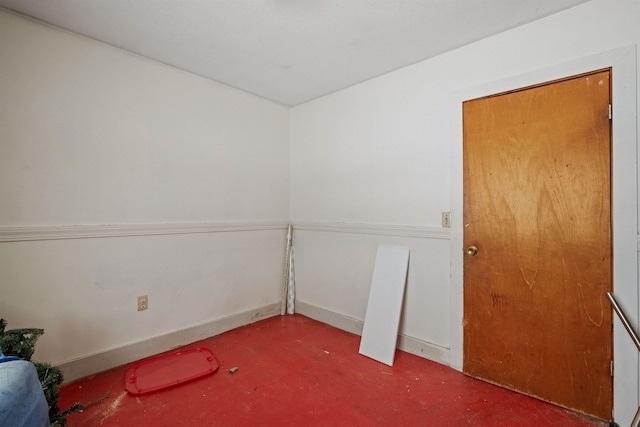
(472, 250)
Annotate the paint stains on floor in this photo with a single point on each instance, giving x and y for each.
(294, 371)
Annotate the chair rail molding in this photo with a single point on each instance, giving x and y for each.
(399, 230)
(88, 231)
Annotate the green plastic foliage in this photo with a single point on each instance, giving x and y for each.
(21, 343)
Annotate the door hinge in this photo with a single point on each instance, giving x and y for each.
(611, 367)
(610, 112)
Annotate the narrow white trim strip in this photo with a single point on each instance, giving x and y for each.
(406, 343)
(111, 358)
(423, 232)
(58, 232)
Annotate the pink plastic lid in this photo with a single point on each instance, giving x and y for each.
(168, 370)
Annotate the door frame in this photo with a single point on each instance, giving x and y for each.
(626, 380)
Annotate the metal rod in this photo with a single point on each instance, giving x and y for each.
(634, 338)
(636, 419)
(623, 319)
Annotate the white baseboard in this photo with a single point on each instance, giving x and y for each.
(406, 343)
(89, 365)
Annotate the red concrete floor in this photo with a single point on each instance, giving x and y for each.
(294, 371)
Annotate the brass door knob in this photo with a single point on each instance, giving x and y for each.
(472, 250)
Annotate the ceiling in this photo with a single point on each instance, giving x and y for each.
(289, 51)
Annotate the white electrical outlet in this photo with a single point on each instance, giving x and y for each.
(143, 302)
(446, 219)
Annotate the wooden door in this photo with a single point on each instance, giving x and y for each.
(537, 205)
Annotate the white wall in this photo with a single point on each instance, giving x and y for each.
(94, 138)
(382, 153)
(93, 135)
(379, 152)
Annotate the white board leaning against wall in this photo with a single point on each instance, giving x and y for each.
(382, 319)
